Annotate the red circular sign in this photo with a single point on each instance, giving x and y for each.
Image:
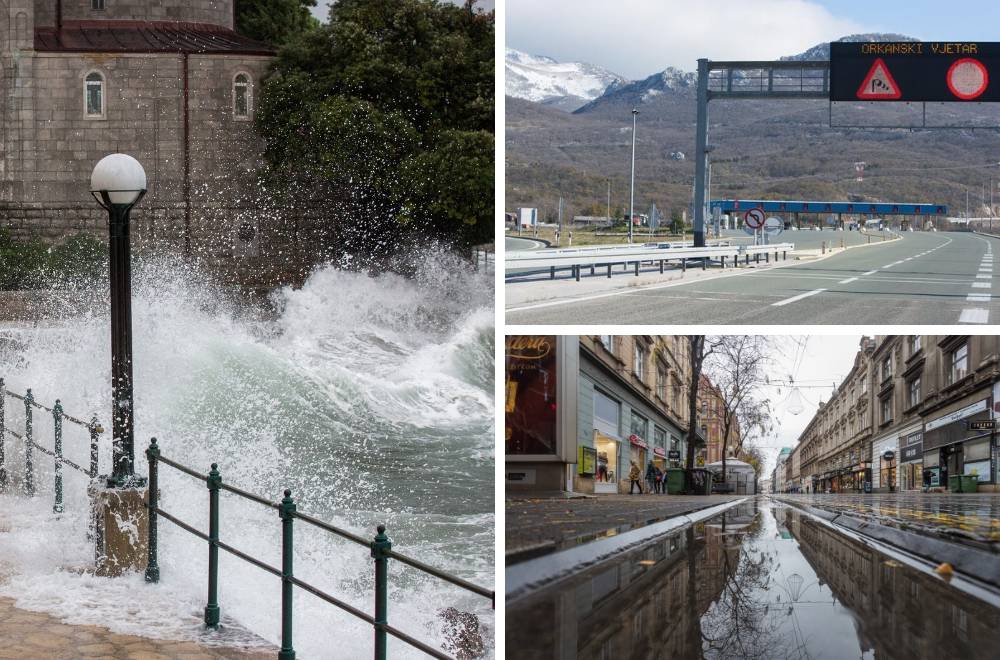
(967, 78)
(754, 218)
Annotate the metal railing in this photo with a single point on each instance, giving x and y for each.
(28, 437)
(381, 552)
(575, 259)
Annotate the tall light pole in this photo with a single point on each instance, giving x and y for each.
(631, 192)
(609, 201)
(118, 183)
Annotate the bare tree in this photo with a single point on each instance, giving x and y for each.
(700, 348)
(738, 371)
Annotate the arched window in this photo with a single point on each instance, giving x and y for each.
(242, 96)
(93, 95)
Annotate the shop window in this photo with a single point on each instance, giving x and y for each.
(914, 391)
(639, 367)
(242, 96)
(531, 403)
(93, 95)
(959, 363)
(607, 413)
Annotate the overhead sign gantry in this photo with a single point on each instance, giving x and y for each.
(863, 71)
(914, 71)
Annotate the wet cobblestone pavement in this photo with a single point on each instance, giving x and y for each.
(539, 525)
(972, 518)
(35, 636)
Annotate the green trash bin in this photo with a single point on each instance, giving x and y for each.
(970, 483)
(675, 480)
(954, 483)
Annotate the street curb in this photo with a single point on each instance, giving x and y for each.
(528, 576)
(972, 562)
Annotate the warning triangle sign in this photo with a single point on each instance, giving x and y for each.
(878, 85)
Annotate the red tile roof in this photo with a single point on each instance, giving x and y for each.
(146, 37)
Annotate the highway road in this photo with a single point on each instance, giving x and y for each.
(924, 278)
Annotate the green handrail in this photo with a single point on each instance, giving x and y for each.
(380, 546)
(28, 437)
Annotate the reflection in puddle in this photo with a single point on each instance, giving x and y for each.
(760, 581)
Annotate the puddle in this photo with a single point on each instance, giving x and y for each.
(760, 581)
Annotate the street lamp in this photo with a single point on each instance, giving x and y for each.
(118, 183)
(631, 193)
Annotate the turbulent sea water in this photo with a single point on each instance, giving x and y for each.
(370, 397)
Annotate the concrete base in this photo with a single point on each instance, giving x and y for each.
(121, 528)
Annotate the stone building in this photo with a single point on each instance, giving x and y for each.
(581, 410)
(711, 413)
(166, 81)
(835, 447)
(913, 407)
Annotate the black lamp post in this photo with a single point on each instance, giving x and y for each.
(118, 183)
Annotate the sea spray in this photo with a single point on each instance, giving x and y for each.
(370, 397)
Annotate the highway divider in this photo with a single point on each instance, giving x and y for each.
(533, 262)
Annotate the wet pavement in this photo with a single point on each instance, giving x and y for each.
(762, 580)
(972, 518)
(536, 526)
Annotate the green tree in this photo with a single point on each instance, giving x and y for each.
(389, 109)
(274, 22)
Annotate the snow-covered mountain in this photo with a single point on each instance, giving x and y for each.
(645, 90)
(822, 51)
(565, 85)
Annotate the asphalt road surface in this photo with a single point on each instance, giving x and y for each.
(925, 278)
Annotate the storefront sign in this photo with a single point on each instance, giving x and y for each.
(962, 413)
(674, 455)
(529, 347)
(637, 441)
(982, 425)
(889, 455)
(659, 452)
(912, 453)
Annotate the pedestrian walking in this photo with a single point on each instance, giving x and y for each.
(650, 476)
(634, 474)
(659, 482)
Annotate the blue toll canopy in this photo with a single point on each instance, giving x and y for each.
(870, 208)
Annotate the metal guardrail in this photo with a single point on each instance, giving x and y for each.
(28, 437)
(575, 259)
(381, 552)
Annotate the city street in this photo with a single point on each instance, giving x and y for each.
(924, 278)
(761, 580)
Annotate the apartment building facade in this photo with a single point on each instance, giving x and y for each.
(913, 411)
(581, 410)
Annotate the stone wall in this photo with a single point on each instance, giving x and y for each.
(217, 12)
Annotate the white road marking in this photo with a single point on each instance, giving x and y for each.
(982, 285)
(848, 280)
(977, 297)
(984, 277)
(974, 316)
(871, 272)
(798, 297)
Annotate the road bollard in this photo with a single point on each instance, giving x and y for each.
(552, 272)
(592, 269)
(767, 257)
(212, 612)
(661, 266)
(380, 551)
(746, 260)
(57, 415)
(577, 269)
(684, 265)
(637, 269)
(704, 263)
(29, 466)
(152, 454)
(609, 271)
(286, 511)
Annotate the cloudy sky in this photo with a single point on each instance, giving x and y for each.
(815, 363)
(323, 7)
(636, 38)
